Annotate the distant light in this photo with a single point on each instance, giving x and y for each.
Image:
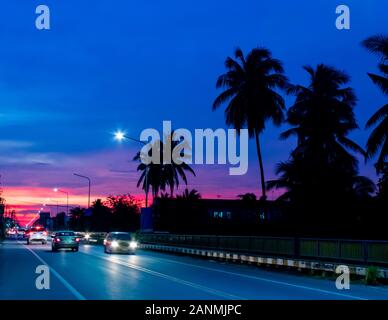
(87, 236)
(119, 135)
(55, 189)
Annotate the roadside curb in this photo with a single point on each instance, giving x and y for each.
(298, 264)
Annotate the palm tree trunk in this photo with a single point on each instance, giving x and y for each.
(263, 193)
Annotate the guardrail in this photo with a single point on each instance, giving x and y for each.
(360, 251)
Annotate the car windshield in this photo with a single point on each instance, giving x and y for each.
(121, 236)
(64, 234)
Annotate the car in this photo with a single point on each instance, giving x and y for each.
(22, 233)
(120, 242)
(11, 232)
(36, 234)
(65, 240)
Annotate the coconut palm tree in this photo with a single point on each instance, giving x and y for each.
(190, 195)
(322, 114)
(322, 166)
(378, 139)
(295, 180)
(250, 93)
(162, 175)
(379, 45)
(164, 195)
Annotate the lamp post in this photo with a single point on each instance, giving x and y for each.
(67, 196)
(89, 182)
(120, 136)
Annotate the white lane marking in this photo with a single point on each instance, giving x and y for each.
(219, 293)
(78, 295)
(264, 279)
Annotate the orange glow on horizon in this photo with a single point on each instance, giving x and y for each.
(27, 201)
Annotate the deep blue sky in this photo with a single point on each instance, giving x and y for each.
(131, 64)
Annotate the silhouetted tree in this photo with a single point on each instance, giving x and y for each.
(383, 185)
(321, 175)
(379, 45)
(190, 195)
(250, 84)
(247, 197)
(101, 217)
(164, 195)
(77, 219)
(162, 175)
(125, 212)
(378, 139)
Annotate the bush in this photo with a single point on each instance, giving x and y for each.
(371, 275)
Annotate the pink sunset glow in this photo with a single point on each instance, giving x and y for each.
(28, 186)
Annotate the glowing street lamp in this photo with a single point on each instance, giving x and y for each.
(120, 136)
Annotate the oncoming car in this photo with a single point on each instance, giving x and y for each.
(36, 234)
(120, 242)
(65, 240)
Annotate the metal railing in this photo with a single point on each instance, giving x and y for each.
(360, 251)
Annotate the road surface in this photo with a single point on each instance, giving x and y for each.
(92, 274)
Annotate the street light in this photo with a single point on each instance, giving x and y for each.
(85, 177)
(120, 136)
(67, 196)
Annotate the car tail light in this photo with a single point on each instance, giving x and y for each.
(45, 233)
(77, 239)
(57, 240)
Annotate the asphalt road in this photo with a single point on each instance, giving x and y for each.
(92, 274)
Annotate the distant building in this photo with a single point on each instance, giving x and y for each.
(210, 216)
(45, 220)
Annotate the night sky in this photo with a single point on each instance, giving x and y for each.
(120, 64)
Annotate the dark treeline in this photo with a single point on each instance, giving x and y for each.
(116, 213)
(323, 192)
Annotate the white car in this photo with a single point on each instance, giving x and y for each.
(37, 234)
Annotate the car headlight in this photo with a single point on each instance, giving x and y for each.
(133, 244)
(114, 244)
(87, 236)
